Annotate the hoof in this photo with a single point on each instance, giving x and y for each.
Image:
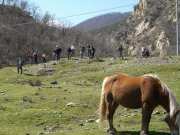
(143, 133)
(111, 131)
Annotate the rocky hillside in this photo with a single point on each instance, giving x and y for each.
(151, 24)
(102, 21)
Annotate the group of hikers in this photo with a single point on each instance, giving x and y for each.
(144, 51)
(90, 51)
(33, 56)
(87, 49)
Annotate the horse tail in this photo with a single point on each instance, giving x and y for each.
(102, 108)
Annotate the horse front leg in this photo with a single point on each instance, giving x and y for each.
(146, 116)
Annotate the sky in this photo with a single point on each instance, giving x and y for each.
(73, 8)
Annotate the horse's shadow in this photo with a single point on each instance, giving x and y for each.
(137, 133)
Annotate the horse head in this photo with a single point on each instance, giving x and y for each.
(174, 122)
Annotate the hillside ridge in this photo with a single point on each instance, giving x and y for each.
(101, 21)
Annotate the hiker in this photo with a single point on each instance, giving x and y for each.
(54, 54)
(20, 65)
(145, 52)
(69, 51)
(58, 52)
(89, 50)
(82, 50)
(35, 56)
(72, 50)
(30, 55)
(120, 50)
(44, 58)
(92, 49)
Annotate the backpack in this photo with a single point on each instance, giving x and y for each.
(21, 62)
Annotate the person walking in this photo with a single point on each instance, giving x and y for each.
(120, 50)
(72, 50)
(35, 55)
(58, 52)
(89, 50)
(44, 58)
(30, 55)
(20, 65)
(54, 54)
(69, 53)
(82, 50)
(92, 51)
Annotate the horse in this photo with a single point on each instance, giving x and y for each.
(134, 92)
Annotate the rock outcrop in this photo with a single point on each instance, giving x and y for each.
(152, 24)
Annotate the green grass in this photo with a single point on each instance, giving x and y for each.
(79, 81)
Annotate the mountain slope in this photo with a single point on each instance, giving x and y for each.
(151, 24)
(102, 21)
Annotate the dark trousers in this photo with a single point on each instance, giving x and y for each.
(69, 56)
(72, 53)
(19, 69)
(57, 56)
(35, 60)
(120, 54)
(82, 54)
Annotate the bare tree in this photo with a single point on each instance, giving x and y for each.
(24, 5)
(34, 11)
(12, 2)
(46, 19)
(2, 2)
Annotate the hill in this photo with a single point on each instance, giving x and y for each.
(22, 31)
(65, 100)
(152, 24)
(102, 21)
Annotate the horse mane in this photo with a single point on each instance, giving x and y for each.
(152, 75)
(173, 105)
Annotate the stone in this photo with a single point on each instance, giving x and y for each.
(54, 82)
(71, 104)
(81, 124)
(27, 99)
(90, 121)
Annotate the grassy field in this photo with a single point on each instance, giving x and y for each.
(35, 104)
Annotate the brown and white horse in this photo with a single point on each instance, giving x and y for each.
(146, 92)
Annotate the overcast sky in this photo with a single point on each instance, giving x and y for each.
(65, 8)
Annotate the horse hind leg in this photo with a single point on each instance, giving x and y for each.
(111, 108)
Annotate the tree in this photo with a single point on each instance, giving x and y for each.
(2, 2)
(24, 5)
